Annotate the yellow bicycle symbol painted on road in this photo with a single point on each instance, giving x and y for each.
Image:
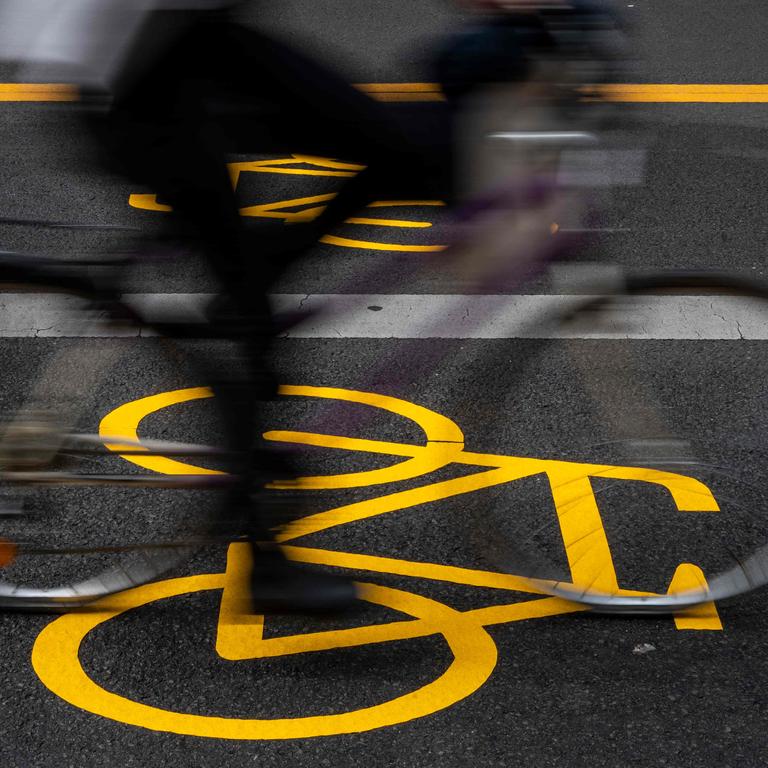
(241, 637)
(306, 208)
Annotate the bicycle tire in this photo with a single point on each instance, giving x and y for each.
(663, 404)
(83, 521)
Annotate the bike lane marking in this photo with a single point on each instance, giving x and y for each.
(308, 207)
(55, 655)
(586, 545)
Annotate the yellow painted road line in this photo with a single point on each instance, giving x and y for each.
(405, 203)
(744, 93)
(674, 93)
(348, 242)
(408, 96)
(403, 91)
(404, 223)
(38, 92)
(725, 93)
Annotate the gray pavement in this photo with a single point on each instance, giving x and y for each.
(478, 670)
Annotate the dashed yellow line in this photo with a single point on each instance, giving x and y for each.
(693, 94)
(723, 93)
(38, 92)
(675, 93)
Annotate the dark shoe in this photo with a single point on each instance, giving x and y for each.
(288, 588)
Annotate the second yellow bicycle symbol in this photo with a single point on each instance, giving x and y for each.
(240, 637)
(307, 207)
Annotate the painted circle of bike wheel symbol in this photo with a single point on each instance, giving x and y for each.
(56, 660)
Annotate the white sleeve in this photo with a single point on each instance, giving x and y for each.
(85, 40)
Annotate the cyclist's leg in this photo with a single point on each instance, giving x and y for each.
(166, 137)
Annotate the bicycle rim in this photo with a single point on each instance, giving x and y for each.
(83, 516)
(638, 421)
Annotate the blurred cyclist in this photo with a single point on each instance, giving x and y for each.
(155, 73)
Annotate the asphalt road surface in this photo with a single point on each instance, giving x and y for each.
(448, 439)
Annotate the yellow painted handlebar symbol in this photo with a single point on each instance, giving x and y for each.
(240, 636)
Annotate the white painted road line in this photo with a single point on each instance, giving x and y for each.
(51, 315)
(512, 316)
(369, 316)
